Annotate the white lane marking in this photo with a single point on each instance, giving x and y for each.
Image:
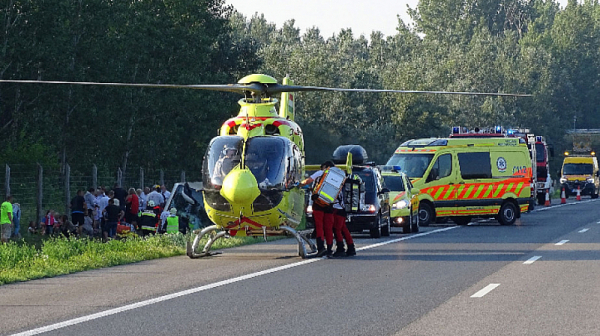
(562, 205)
(140, 304)
(584, 230)
(405, 238)
(562, 242)
(531, 260)
(485, 290)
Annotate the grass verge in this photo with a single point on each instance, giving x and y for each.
(20, 261)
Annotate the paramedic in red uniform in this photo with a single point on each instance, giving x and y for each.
(323, 216)
(341, 231)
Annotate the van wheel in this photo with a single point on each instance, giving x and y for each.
(415, 226)
(376, 231)
(595, 194)
(462, 220)
(426, 214)
(385, 230)
(406, 225)
(507, 214)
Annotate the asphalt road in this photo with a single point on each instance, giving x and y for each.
(481, 279)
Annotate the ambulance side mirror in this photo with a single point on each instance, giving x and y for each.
(415, 191)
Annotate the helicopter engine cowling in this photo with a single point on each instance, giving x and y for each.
(240, 187)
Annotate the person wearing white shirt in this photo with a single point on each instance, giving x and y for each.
(143, 199)
(157, 197)
(101, 204)
(166, 194)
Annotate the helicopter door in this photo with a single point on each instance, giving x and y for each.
(222, 155)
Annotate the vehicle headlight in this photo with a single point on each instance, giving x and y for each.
(590, 180)
(563, 180)
(400, 205)
(369, 208)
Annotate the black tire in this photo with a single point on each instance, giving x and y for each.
(415, 226)
(426, 214)
(507, 214)
(461, 220)
(376, 231)
(385, 230)
(406, 225)
(594, 194)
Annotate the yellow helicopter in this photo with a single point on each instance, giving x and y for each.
(251, 170)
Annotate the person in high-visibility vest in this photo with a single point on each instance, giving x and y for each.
(173, 221)
(323, 215)
(147, 223)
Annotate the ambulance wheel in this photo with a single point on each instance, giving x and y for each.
(415, 226)
(595, 194)
(507, 214)
(385, 230)
(376, 231)
(461, 220)
(406, 225)
(426, 214)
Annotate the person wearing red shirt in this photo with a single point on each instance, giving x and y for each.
(133, 207)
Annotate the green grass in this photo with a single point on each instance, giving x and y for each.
(20, 261)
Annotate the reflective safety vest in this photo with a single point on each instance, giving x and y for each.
(148, 221)
(172, 224)
(353, 193)
(329, 186)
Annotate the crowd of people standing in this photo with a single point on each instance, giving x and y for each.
(99, 212)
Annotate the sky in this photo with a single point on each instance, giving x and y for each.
(331, 16)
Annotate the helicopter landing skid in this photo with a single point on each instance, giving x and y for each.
(193, 247)
(302, 241)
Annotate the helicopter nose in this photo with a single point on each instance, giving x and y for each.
(240, 187)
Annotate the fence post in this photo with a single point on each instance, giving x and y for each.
(95, 177)
(142, 178)
(119, 176)
(183, 176)
(162, 177)
(67, 187)
(40, 195)
(7, 180)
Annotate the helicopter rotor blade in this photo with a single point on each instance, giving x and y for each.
(295, 88)
(238, 88)
(260, 88)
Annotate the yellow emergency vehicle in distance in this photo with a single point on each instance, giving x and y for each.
(404, 199)
(463, 178)
(580, 171)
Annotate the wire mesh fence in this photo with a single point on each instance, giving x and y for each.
(38, 189)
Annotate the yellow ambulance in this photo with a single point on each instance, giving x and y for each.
(465, 177)
(580, 172)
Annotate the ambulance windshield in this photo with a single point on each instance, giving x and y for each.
(413, 165)
(578, 169)
(394, 183)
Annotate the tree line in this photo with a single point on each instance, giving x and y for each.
(527, 46)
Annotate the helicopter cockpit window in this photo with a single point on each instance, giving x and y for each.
(267, 158)
(222, 155)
